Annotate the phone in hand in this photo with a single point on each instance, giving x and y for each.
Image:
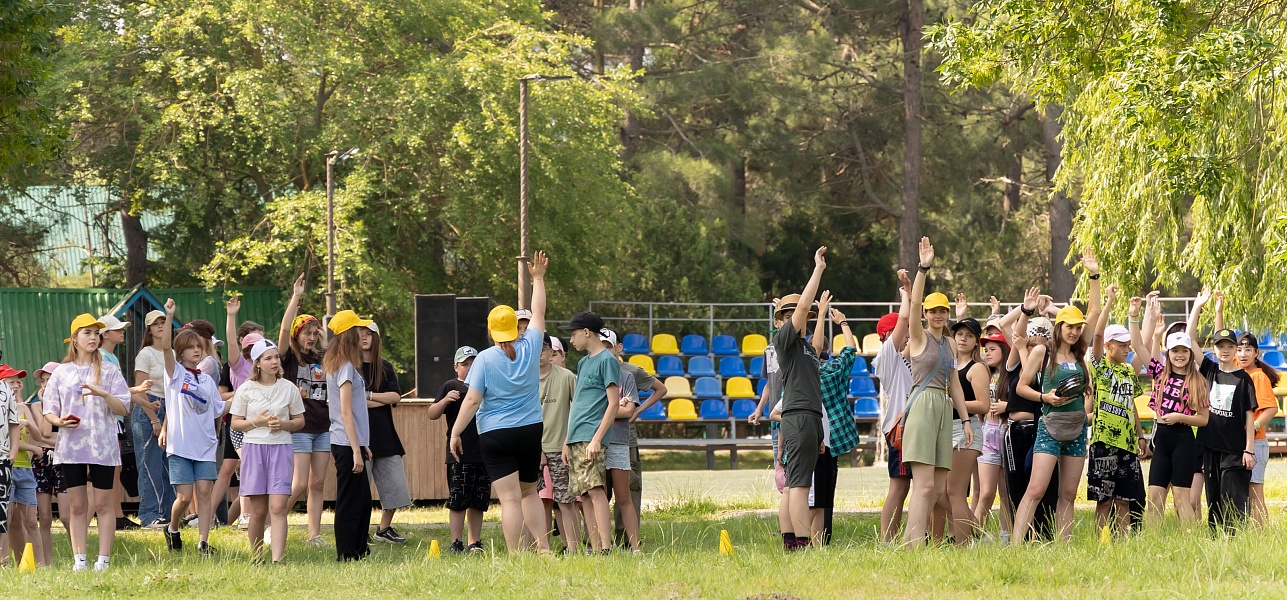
(72, 418)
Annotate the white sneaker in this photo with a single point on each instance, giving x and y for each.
(317, 542)
(99, 567)
(268, 535)
(243, 521)
(79, 566)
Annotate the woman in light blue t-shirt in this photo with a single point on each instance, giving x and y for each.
(503, 390)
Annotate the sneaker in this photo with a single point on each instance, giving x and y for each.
(205, 549)
(125, 524)
(190, 519)
(389, 535)
(268, 535)
(100, 566)
(79, 566)
(243, 522)
(475, 548)
(457, 546)
(173, 540)
(157, 523)
(317, 542)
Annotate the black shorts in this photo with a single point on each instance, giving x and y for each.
(1113, 474)
(514, 449)
(824, 481)
(800, 434)
(225, 441)
(894, 460)
(49, 476)
(102, 477)
(468, 486)
(1175, 452)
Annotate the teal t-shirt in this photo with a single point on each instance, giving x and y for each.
(594, 375)
(1064, 371)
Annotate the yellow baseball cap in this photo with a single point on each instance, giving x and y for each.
(935, 300)
(1070, 315)
(82, 321)
(346, 320)
(502, 322)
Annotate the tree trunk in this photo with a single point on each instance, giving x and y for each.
(1062, 283)
(909, 226)
(135, 248)
(1014, 177)
(630, 125)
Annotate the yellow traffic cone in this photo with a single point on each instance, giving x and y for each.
(1106, 535)
(28, 562)
(725, 543)
(434, 550)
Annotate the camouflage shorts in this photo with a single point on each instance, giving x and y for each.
(558, 478)
(586, 474)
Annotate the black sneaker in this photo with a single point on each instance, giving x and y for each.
(389, 535)
(205, 549)
(173, 540)
(125, 524)
(457, 546)
(157, 523)
(475, 548)
(190, 519)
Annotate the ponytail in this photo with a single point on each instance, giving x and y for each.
(1269, 371)
(508, 349)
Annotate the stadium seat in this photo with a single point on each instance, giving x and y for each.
(656, 412)
(862, 386)
(860, 368)
(743, 409)
(870, 344)
(768, 409)
(681, 409)
(1275, 359)
(693, 345)
(701, 366)
(645, 394)
(714, 410)
(867, 407)
(1281, 388)
(670, 366)
(757, 367)
(1268, 341)
(764, 381)
(724, 345)
(634, 343)
(664, 343)
(1141, 406)
(707, 387)
(740, 387)
(643, 361)
(754, 345)
(732, 366)
(678, 387)
(838, 344)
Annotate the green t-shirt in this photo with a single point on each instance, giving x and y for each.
(1114, 405)
(594, 375)
(556, 401)
(1063, 371)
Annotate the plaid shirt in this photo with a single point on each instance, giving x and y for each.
(835, 399)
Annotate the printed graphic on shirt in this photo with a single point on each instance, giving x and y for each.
(1222, 399)
(312, 382)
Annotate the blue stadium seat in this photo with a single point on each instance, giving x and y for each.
(860, 368)
(645, 394)
(670, 366)
(707, 387)
(634, 343)
(743, 409)
(714, 409)
(701, 366)
(768, 409)
(656, 412)
(867, 407)
(759, 385)
(1275, 359)
(693, 345)
(757, 367)
(1268, 341)
(724, 345)
(862, 386)
(732, 366)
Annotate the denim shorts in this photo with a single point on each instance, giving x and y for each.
(1048, 445)
(24, 487)
(617, 456)
(304, 443)
(1260, 446)
(185, 471)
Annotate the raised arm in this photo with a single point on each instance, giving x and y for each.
(962, 306)
(839, 317)
(292, 311)
(820, 341)
(1091, 264)
(166, 343)
(899, 334)
(1101, 323)
(230, 331)
(915, 329)
(539, 264)
(1143, 354)
(800, 318)
(1191, 327)
(1219, 307)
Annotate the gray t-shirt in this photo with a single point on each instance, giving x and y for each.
(643, 381)
(348, 373)
(798, 363)
(556, 401)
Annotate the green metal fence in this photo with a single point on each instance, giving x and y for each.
(34, 321)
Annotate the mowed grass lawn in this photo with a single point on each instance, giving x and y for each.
(686, 512)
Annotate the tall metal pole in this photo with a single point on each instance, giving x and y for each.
(330, 233)
(524, 279)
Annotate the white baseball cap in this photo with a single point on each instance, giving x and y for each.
(1117, 333)
(374, 328)
(608, 335)
(111, 323)
(1179, 338)
(260, 348)
(523, 314)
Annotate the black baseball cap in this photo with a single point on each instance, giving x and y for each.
(1249, 339)
(969, 323)
(1224, 335)
(583, 320)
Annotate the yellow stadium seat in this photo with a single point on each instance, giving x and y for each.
(837, 344)
(1141, 406)
(678, 387)
(664, 343)
(681, 409)
(643, 361)
(740, 387)
(871, 344)
(1281, 389)
(754, 345)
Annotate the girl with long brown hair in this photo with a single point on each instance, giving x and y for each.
(301, 343)
(350, 435)
(383, 393)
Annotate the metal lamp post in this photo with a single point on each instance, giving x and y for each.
(332, 157)
(525, 278)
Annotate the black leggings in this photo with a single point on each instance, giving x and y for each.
(352, 506)
(1228, 486)
(1016, 457)
(1175, 452)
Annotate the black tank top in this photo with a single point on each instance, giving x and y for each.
(966, 388)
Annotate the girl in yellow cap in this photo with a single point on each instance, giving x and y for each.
(350, 428)
(301, 341)
(83, 397)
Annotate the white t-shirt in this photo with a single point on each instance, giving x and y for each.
(192, 405)
(281, 398)
(895, 376)
(151, 361)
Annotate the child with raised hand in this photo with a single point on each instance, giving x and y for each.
(301, 343)
(192, 407)
(266, 409)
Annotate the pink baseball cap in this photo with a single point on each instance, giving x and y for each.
(250, 339)
(48, 369)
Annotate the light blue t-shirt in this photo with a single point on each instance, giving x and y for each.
(593, 376)
(510, 388)
(111, 357)
(339, 437)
